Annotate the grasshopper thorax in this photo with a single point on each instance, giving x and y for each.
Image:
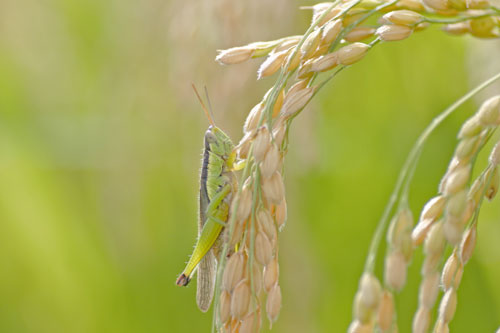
(218, 142)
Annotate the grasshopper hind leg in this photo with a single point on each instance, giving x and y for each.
(206, 281)
(182, 280)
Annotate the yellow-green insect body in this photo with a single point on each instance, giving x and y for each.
(217, 184)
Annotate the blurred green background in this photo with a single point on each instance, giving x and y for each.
(100, 142)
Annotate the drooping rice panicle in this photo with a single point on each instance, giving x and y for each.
(444, 217)
(431, 226)
(337, 37)
(453, 269)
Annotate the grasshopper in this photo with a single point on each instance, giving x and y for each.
(217, 185)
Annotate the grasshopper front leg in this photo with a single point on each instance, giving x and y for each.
(216, 213)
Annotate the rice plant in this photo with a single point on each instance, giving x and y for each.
(340, 35)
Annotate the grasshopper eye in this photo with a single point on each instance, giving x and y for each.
(210, 137)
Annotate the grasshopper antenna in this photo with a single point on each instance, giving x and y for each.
(210, 120)
(208, 101)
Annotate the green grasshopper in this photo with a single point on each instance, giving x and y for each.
(217, 185)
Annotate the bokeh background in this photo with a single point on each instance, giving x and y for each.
(100, 146)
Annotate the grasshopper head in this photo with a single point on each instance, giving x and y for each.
(218, 142)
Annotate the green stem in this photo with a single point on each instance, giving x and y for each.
(375, 42)
(252, 233)
(347, 29)
(358, 21)
(412, 159)
(285, 74)
(487, 185)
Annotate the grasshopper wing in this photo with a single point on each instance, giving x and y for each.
(206, 281)
(207, 266)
